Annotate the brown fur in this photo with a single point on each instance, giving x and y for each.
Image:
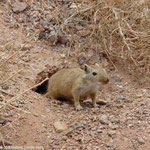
(75, 83)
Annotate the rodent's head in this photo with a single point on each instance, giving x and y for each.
(96, 73)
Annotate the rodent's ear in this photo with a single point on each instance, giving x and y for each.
(87, 68)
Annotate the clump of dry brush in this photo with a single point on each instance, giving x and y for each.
(118, 28)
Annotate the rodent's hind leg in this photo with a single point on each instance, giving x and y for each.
(93, 97)
(50, 97)
(46, 95)
(77, 103)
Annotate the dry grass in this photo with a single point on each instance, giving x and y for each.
(122, 30)
(119, 29)
(8, 102)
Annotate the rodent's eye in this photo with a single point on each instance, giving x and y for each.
(94, 73)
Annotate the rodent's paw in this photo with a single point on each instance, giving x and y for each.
(79, 107)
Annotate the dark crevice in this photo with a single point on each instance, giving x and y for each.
(41, 89)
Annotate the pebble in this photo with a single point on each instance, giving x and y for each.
(73, 5)
(43, 23)
(111, 133)
(52, 39)
(114, 120)
(19, 7)
(130, 125)
(62, 39)
(117, 78)
(101, 102)
(3, 121)
(141, 140)
(113, 127)
(139, 95)
(81, 60)
(108, 145)
(5, 86)
(83, 33)
(103, 119)
(63, 55)
(99, 131)
(42, 35)
(60, 126)
(120, 98)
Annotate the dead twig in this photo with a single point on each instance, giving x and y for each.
(122, 35)
(5, 92)
(1, 65)
(19, 95)
(10, 77)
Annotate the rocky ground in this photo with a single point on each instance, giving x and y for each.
(121, 121)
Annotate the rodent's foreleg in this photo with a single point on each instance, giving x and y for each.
(93, 97)
(77, 102)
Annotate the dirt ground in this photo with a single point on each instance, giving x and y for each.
(121, 123)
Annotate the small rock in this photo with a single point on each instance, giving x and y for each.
(148, 93)
(139, 95)
(130, 125)
(120, 98)
(53, 32)
(141, 140)
(114, 120)
(63, 55)
(101, 102)
(60, 126)
(62, 39)
(19, 7)
(108, 145)
(79, 27)
(120, 85)
(117, 78)
(105, 62)
(43, 23)
(121, 91)
(99, 131)
(148, 131)
(5, 86)
(113, 127)
(3, 121)
(73, 5)
(42, 35)
(16, 104)
(103, 119)
(64, 138)
(81, 60)
(52, 39)
(83, 33)
(111, 133)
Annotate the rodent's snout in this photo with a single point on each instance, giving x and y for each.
(105, 81)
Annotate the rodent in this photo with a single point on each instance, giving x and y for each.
(75, 83)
